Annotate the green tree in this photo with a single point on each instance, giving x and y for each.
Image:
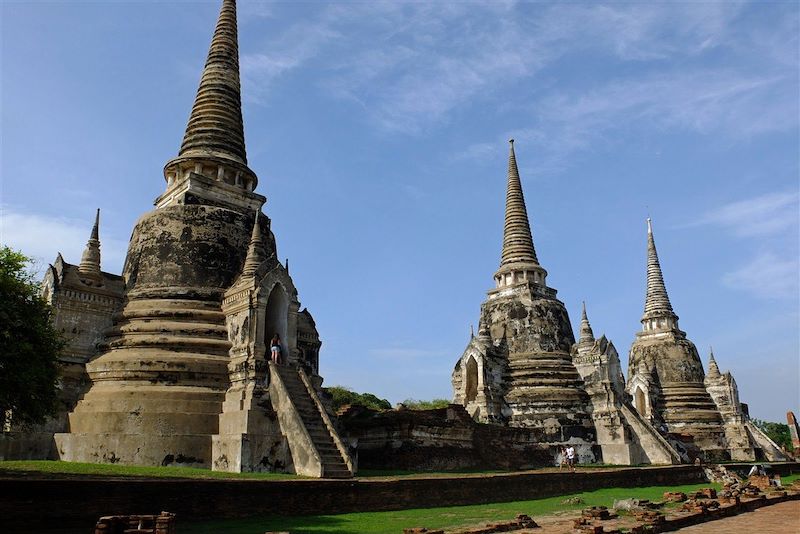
(414, 404)
(343, 396)
(777, 432)
(29, 345)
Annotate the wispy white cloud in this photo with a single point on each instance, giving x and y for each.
(770, 222)
(261, 69)
(42, 237)
(645, 31)
(764, 215)
(767, 276)
(411, 65)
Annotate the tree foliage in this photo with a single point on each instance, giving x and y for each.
(29, 345)
(777, 432)
(343, 396)
(414, 404)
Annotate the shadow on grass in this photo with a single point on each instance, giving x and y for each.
(295, 525)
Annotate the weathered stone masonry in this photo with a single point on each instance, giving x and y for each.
(173, 353)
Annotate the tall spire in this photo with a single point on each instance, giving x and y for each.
(517, 240)
(256, 253)
(213, 146)
(215, 126)
(90, 259)
(713, 368)
(587, 336)
(657, 301)
(518, 262)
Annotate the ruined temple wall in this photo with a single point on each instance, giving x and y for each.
(677, 395)
(625, 438)
(446, 439)
(81, 313)
(543, 391)
(478, 381)
(725, 393)
(164, 369)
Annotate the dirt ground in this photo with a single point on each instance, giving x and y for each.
(783, 518)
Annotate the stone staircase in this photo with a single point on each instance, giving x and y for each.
(333, 462)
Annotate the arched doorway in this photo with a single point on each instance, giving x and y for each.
(471, 379)
(641, 402)
(277, 317)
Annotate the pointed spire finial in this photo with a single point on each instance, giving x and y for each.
(215, 126)
(256, 253)
(713, 368)
(517, 239)
(213, 144)
(587, 335)
(657, 301)
(95, 229)
(471, 331)
(90, 259)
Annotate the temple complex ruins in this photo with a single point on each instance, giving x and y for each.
(518, 369)
(701, 415)
(175, 351)
(524, 369)
(665, 374)
(168, 363)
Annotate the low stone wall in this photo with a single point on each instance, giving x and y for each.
(27, 502)
(445, 439)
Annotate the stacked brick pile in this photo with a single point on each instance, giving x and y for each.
(587, 522)
(648, 517)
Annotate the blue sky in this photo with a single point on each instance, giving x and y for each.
(378, 131)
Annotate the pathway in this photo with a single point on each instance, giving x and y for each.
(783, 518)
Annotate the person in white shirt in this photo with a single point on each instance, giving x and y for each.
(571, 457)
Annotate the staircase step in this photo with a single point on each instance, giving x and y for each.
(334, 465)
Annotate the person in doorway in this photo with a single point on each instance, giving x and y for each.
(275, 346)
(571, 458)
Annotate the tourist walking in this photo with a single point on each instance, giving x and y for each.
(571, 458)
(562, 457)
(275, 346)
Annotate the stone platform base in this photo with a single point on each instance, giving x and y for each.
(135, 449)
(27, 446)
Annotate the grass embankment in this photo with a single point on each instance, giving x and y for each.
(447, 517)
(365, 522)
(45, 467)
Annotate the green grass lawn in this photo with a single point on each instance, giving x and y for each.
(76, 468)
(356, 523)
(448, 517)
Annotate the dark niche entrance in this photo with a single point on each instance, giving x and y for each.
(471, 379)
(277, 318)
